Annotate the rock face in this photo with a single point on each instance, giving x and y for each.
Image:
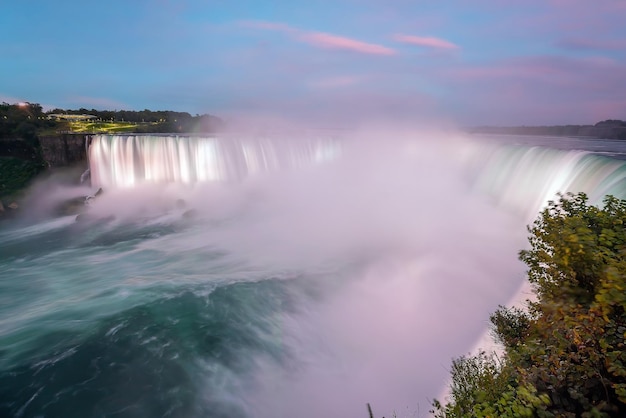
(65, 149)
(21, 160)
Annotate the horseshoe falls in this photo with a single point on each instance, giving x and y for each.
(265, 276)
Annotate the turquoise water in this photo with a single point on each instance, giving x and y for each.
(98, 321)
(307, 288)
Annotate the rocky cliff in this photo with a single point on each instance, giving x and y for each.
(62, 150)
(21, 160)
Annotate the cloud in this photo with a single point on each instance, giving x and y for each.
(426, 41)
(323, 39)
(327, 40)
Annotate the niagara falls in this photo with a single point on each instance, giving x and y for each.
(315, 273)
(276, 209)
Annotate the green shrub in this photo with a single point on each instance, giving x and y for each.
(15, 174)
(566, 357)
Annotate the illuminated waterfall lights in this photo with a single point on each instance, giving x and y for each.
(127, 160)
(525, 178)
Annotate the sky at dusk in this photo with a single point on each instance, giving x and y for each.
(530, 62)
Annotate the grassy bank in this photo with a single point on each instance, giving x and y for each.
(107, 127)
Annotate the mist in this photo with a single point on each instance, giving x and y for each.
(412, 259)
(395, 253)
(440, 258)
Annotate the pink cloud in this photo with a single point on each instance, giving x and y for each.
(427, 41)
(327, 40)
(322, 39)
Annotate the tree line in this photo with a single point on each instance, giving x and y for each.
(162, 121)
(23, 121)
(26, 120)
(607, 129)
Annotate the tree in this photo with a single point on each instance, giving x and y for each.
(565, 357)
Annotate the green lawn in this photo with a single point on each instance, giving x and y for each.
(104, 127)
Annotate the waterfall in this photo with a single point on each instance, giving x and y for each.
(128, 160)
(348, 272)
(521, 178)
(525, 178)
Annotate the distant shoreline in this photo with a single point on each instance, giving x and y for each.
(609, 129)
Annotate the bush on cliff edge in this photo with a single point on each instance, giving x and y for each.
(566, 355)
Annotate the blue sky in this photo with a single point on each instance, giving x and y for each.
(528, 62)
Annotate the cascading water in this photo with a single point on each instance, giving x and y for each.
(240, 277)
(128, 160)
(526, 178)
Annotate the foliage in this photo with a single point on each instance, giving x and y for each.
(566, 356)
(143, 121)
(16, 173)
(27, 120)
(22, 120)
(510, 326)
